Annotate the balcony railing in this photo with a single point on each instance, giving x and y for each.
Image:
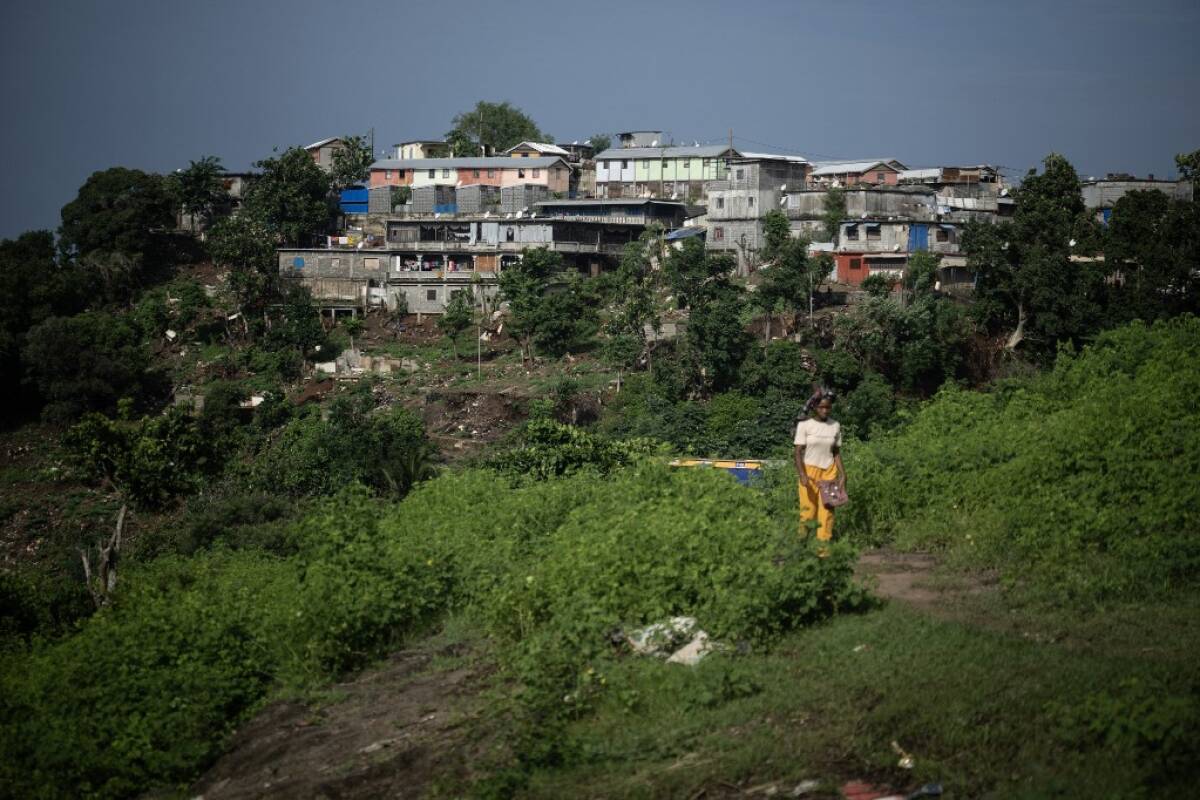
(506, 247)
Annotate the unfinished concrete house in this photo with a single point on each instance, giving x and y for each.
(883, 226)
(1101, 195)
(422, 261)
(754, 185)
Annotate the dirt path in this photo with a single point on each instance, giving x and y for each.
(389, 733)
(914, 579)
(397, 729)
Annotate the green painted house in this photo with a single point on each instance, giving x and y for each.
(681, 172)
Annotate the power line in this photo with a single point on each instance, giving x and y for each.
(1021, 171)
(779, 148)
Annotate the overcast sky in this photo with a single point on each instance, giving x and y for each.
(88, 85)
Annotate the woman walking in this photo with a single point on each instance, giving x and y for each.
(818, 460)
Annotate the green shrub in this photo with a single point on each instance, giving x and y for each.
(870, 406)
(34, 604)
(235, 520)
(1140, 721)
(730, 425)
(1081, 481)
(278, 365)
(550, 449)
(150, 461)
(147, 690)
(384, 449)
(779, 369)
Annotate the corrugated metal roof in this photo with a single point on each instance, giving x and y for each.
(541, 147)
(609, 201)
(704, 151)
(843, 167)
(776, 157)
(684, 233)
(490, 162)
(921, 174)
(322, 143)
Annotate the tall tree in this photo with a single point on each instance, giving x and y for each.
(1153, 249)
(523, 286)
(835, 213)
(1189, 166)
(690, 269)
(200, 189)
(921, 275)
(715, 340)
(490, 128)
(456, 318)
(291, 198)
(34, 286)
(117, 210)
(352, 163)
(548, 305)
(600, 141)
(635, 311)
(791, 277)
(245, 246)
(1027, 283)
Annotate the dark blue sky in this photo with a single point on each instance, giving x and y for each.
(88, 85)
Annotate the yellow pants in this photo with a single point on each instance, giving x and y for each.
(811, 506)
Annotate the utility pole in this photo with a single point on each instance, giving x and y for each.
(810, 297)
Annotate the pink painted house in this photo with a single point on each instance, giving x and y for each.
(553, 172)
(852, 173)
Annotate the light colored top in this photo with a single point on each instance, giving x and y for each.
(818, 440)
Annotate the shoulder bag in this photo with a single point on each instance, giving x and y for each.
(832, 494)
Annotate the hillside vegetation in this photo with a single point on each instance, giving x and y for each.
(1080, 482)
(144, 693)
(275, 530)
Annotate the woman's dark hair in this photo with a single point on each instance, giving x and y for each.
(817, 396)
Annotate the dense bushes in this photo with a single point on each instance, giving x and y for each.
(1082, 479)
(730, 425)
(143, 694)
(150, 460)
(386, 450)
(88, 362)
(549, 449)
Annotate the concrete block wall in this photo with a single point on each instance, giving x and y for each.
(432, 297)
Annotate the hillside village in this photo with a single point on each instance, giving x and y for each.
(455, 475)
(426, 223)
(387, 416)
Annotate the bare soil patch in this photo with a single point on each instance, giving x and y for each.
(464, 421)
(392, 732)
(916, 580)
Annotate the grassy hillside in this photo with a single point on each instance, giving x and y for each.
(1080, 483)
(145, 691)
(557, 545)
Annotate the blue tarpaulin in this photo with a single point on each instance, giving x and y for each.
(744, 472)
(684, 233)
(918, 237)
(355, 200)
